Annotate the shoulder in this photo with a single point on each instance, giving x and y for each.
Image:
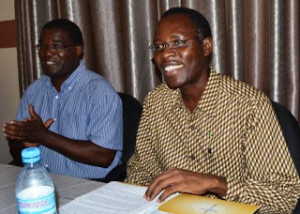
(94, 83)
(161, 95)
(38, 85)
(101, 92)
(242, 91)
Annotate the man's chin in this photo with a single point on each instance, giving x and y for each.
(172, 85)
(49, 69)
(52, 74)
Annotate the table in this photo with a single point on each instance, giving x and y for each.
(67, 188)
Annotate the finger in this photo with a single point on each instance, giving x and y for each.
(30, 144)
(158, 179)
(5, 128)
(14, 130)
(49, 122)
(159, 184)
(169, 191)
(32, 113)
(15, 123)
(12, 126)
(12, 137)
(163, 176)
(12, 134)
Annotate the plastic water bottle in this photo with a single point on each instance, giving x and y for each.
(35, 190)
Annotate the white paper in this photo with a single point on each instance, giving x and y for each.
(112, 198)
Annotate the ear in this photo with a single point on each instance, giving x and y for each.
(207, 46)
(79, 51)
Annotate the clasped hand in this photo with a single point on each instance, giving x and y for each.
(30, 130)
(183, 181)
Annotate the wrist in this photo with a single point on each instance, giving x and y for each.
(219, 185)
(44, 136)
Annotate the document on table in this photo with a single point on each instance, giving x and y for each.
(112, 198)
(122, 198)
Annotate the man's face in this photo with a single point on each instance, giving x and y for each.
(58, 63)
(181, 67)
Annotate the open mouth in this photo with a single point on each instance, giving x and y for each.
(49, 63)
(172, 69)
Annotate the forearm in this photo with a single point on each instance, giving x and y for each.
(137, 173)
(272, 196)
(271, 180)
(143, 166)
(82, 151)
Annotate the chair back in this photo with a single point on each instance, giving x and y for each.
(291, 132)
(132, 110)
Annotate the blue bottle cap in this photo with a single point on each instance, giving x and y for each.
(31, 155)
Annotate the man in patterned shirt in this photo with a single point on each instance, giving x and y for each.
(205, 133)
(83, 110)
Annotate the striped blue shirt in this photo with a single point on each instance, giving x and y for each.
(86, 108)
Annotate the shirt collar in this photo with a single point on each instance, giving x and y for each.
(71, 80)
(210, 96)
(75, 77)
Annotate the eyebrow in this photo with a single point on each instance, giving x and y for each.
(54, 40)
(173, 37)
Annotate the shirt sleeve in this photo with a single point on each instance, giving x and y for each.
(22, 111)
(105, 126)
(272, 181)
(143, 165)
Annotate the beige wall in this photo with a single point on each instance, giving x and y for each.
(9, 86)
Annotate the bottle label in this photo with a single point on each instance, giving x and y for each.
(28, 203)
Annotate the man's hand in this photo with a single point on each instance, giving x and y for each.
(30, 130)
(178, 180)
(47, 124)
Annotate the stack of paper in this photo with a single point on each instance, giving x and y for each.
(121, 198)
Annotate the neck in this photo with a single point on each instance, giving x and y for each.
(58, 80)
(192, 94)
(57, 84)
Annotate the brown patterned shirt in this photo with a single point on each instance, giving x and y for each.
(233, 132)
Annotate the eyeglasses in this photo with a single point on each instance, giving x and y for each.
(53, 47)
(171, 44)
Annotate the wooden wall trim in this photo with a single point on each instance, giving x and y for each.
(8, 38)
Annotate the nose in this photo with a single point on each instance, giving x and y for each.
(47, 51)
(167, 52)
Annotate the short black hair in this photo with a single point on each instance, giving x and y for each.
(70, 27)
(200, 22)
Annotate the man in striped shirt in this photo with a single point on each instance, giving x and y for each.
(74, 114)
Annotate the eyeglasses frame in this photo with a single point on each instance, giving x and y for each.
(170, 44)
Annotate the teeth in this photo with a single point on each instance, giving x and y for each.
(173, 67)
(49, 63)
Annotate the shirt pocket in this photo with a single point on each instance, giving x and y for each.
(73, 124)
(226, 158)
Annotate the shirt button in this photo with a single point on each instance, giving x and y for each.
(209, 150)
(192, 157)
(192, 127)
(56, 97)
(54, 119)
(236, 198)
(243, 148)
